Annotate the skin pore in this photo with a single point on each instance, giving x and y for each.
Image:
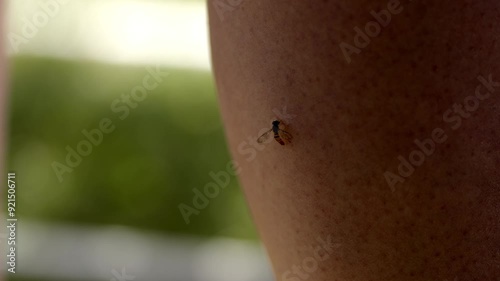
(426, 82)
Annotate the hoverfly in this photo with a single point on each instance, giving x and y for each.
(281, 136)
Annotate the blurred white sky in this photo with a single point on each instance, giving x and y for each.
(162, 32)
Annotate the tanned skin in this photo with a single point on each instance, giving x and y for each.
(351, 121)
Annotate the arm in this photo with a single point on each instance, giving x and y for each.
(356, 109)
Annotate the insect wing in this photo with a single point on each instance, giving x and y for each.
(285, 136)
(264, 137)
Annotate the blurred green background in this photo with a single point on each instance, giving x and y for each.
(142, 170)
(64, 80)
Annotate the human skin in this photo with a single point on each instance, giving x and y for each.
(350, 123)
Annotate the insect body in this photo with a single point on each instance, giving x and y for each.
(281, 136)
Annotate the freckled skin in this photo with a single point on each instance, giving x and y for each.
(350, 124)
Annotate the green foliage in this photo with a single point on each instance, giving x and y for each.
(142, 170)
